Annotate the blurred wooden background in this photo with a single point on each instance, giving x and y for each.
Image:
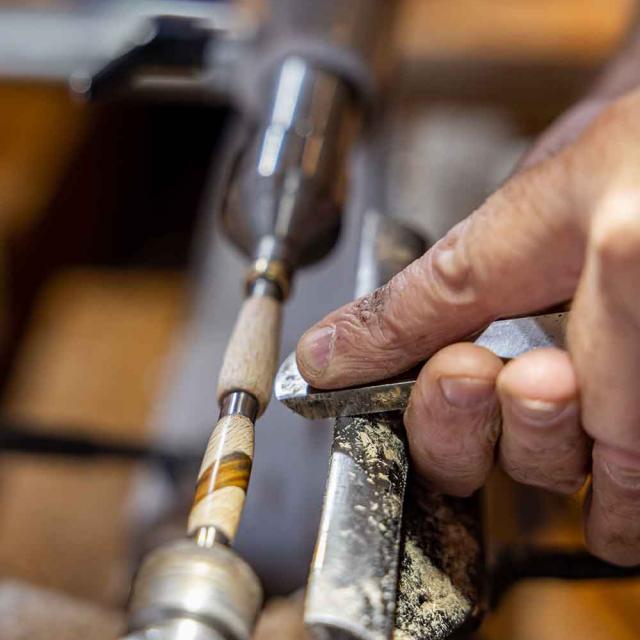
(90, 348)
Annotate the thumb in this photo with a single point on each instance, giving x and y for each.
(521, 251)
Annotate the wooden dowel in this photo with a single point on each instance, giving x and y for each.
(249, 366)
(251, 359)
(224, 477)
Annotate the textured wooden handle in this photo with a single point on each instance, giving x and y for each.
(251, 359)
(224, 477)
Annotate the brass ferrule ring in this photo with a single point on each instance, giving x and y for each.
(275, 271)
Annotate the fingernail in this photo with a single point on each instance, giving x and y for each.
(628, 477)
(316, 347)
(541, 412)
(466, 393)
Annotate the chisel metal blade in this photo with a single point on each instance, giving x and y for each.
(506, 338)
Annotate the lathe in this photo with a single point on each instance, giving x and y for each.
(392, 560)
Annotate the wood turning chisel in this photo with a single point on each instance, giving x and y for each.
(506, 338)
(393, 561)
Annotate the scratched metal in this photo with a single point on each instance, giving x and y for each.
(506, 338)
(441, 571)
(353, 583)
(353, 580)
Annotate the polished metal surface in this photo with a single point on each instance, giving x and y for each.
(178, 629)
(285, 193)
(386, 247)
(261, 287)
(511, 338)
(269, 276)
(356, 30)
(351, 592)
(185, 581)
(506, 338)
(239, 403)
(209, 536)
(54, 44)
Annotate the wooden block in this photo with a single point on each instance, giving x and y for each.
(95, 349)
(555, 609)
(93, 358)
(562, 30)
(41, 128)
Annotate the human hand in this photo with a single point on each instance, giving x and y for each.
(566, 227)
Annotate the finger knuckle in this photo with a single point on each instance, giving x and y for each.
(450, 270)
(456, 465)
(561, 469)
(555, 480)
(380, 319)
(614, 543)
(615, 237)
(617, 118)
(459, 478)
(363, 323)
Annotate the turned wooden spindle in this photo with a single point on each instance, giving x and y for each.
(251, 359)
(244, 390)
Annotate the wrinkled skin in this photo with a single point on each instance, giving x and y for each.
(565, 226)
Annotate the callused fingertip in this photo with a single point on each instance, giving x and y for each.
(541, 412)
(626, 476)
(539, 387)
(620, 465)
(314, 351)
(618, 548)
(466, 392)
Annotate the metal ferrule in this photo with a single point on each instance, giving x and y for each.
(272, 265)
(239, 403)
(263, 287)
(207, 537)
(269, 278)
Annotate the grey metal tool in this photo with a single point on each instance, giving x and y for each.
(389, 565)
(506, 338)
(352, 587)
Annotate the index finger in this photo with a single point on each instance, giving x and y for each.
(521, 251)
